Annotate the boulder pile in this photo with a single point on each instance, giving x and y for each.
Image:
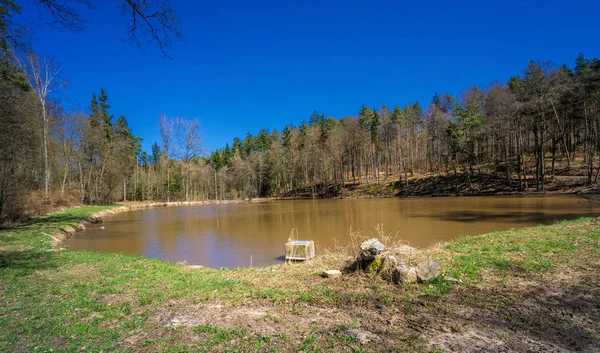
(374, 260)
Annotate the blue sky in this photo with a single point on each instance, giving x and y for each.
(265, 64)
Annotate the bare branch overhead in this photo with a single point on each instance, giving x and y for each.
(65, 15)
(154, 21)
(148, 20)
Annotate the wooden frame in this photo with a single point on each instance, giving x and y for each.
(300, 250)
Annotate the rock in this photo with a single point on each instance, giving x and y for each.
(404, 274)
(332, 274)
(374, 266)
(369, 249)
(392, 260)
(389, 264)
(427, 271)
(452, 279)
(362, 336)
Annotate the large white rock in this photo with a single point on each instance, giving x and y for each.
(427, 271)
(332, 274)
(369, 249)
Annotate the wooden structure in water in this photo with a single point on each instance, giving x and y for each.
(299, 250)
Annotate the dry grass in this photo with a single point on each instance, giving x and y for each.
(300, 275)
(38, 203)
(343, 256)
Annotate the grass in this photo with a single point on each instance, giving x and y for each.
(537, 284)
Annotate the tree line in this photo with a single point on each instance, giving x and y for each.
(520, 130)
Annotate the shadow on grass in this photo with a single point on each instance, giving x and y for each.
(538, 318)
(37, 234)
(59, 219)
(28, 261)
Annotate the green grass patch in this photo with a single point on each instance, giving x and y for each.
(519, 252)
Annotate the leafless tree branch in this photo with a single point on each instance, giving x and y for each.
(154, 19)
(150, 20)
(65, 16)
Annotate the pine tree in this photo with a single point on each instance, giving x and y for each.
(374, 125)
(365, 116)
(156, 154)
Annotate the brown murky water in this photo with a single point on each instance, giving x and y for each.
(229, 235)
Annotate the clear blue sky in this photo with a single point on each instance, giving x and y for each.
(247, 65)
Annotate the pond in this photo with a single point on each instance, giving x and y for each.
(231, 235)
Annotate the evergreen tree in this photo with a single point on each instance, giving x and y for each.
(365, 117)
(287, 136)
(105, 116)
(317, 119)
(156, 154)
(95, 118)
(237, 146)
(374, 125)
(397, 116)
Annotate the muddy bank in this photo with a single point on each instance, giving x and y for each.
(445, 185)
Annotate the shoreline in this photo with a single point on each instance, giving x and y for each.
(474, 194)
(438, 185)
(493, 194)
(61, 235)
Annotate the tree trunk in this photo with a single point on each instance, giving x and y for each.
(45, 133)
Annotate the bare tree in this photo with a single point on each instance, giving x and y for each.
(189, 145)
(66, 133)
(166, 127)
(42, 74)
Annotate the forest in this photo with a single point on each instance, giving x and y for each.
(521, 132)
(518, 131)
